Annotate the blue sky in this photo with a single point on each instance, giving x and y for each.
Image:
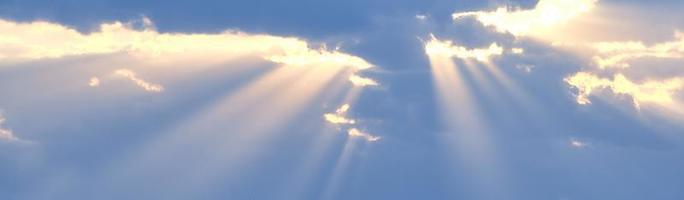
(359, 99)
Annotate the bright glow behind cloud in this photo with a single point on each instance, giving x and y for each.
(518, 22)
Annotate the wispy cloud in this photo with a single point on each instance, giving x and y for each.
(577, 143)
(130, 75)
(353, 132)
(362, 81)
(520, 22)
(618, 54)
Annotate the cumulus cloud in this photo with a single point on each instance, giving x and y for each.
(6, 134)
(446, 48)
(618, 54)
(39, 40)
(130, 75)
(652, 92)
(362, 81)
(353, 132)
(545, 14)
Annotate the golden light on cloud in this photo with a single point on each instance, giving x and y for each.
(339, 116)
(353, 132)
(94, 82)
(648, 92)
(545, 15)
(130, 75)
(446, 48)
(39, 40)
(362, 81)
(618, 54)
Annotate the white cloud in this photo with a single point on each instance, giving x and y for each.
(577, 143)
(130, 75)
(353, 132)
(547, 13)
(362, 81)
(6, 134)
(446, 48)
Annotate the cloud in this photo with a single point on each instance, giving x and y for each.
(577, 143)
(353, 132)
(94, 82)
(545, 14)
(446, 48)
(130, 75)
(652, 92)
(617, 54)
(362, 81)
(6, 134)
(338, 117)
(40, 40)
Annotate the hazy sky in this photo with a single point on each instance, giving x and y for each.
(355, 99)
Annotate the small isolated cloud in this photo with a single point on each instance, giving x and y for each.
(362, 81)
(525, 68)
(446, 48)
(517, 50)
(577, 143)
(94, 82)
(653, 92)
(130, 75)
(6, 134)
(338, 117)
(518, 22)
(353, 132)
(421, 17)
(618, 54)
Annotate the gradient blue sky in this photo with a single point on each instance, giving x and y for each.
(244, 99)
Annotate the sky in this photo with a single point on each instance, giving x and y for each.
(357, 99)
